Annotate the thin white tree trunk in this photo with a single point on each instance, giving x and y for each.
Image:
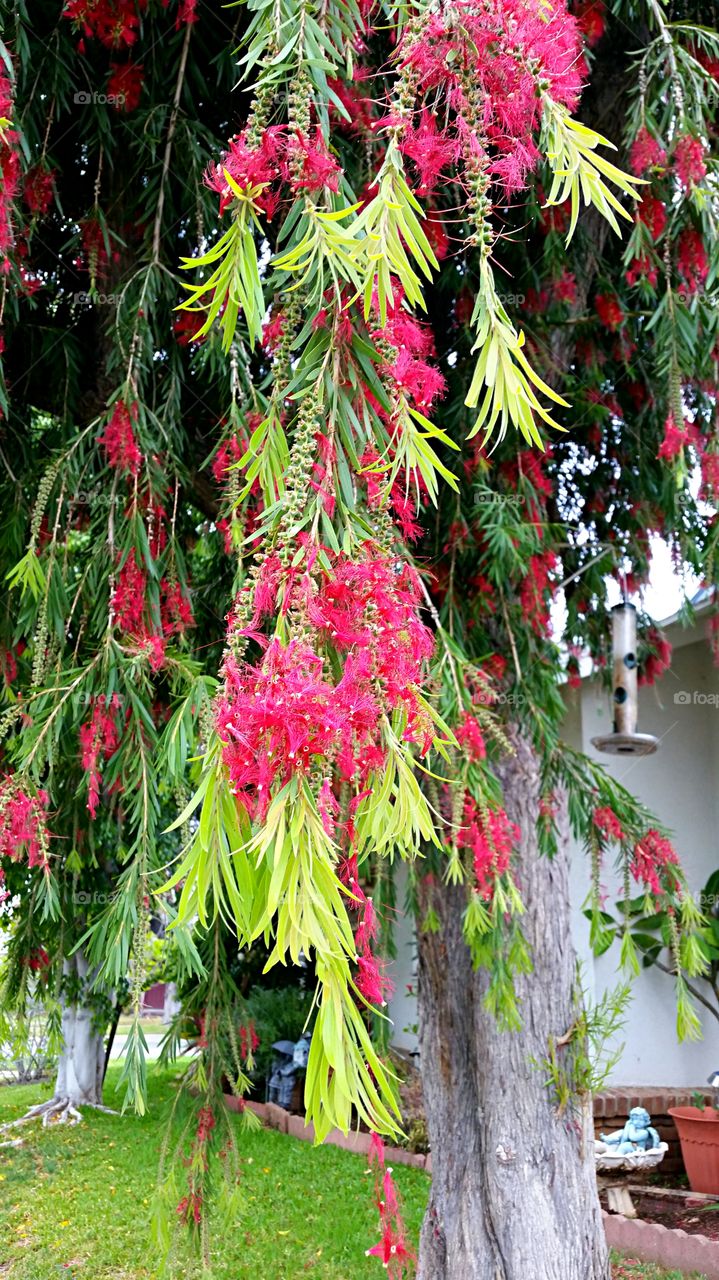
(513, 1185)
(80, 1068)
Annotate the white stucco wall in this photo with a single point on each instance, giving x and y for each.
(679, 784)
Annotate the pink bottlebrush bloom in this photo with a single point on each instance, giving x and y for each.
(675, 438)
(376, 1150)
(128, 600)
(646, 153)
(688, 159)
(642, 269)
(658, 662)
(125, 85)
(175, 609)
(421, 382)
(591, 16)
(606, 821)
(273, 331)
(99, 739)
(328, 807)
(23, 831)
(38, 189)
(470, 736)
(609, 310)
(319, 170)
(692, 260)
(371, 982)
(118, 439)
(368, 927)
(491, 840)
(653, 862)
(652, 214)
(430, 148)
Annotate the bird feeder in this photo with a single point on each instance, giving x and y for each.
(624, 740)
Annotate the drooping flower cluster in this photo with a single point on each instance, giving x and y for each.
(607, 824)
(115, 23)
(249, 1043)
(288, 713)
(190, 1207)
(23, 823)
(125, 85)
(370, 980)
(9, 170)
(393, 1248)
(654, 864)
(490, 836)
(118, 439)
(99, 740)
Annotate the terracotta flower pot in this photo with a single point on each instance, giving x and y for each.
(699, 1137)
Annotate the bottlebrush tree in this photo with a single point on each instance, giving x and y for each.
(315, 396)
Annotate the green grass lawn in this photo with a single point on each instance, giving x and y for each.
(75, 1203)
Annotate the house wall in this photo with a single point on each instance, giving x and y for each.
(679, 784)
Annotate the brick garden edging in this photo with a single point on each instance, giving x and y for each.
(668, 1246)
(275, 1117)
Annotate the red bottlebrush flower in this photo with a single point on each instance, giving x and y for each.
(186, 14)
(113, 22)
(653, 862)
(469, 735)
(674, 440)
(658, 662)
(128, 600)
(491, 839)
(310, 166)
(118, 439)
(421, 382)
(608, 824)
(710, 477)
(273, 331)
(250, 166)
(591, 16)
(646, 153)
(609, 310)
(8, 665)
(23, 830)
(99, 739)
(371, 981)
(692, 260)
(688, 160)
(125, 85)
(38, 961)
(175, 609)
(642, 269)
(535, 589)
(430, 149)
(185, 327)
(38, 189)
(653, 215)
(564, 288)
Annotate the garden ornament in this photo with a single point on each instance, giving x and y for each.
(636, 1146)
(637, 1134)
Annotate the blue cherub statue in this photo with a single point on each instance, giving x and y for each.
(637, 1134)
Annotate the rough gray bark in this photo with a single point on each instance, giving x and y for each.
(513, 1185)
(81, 1065)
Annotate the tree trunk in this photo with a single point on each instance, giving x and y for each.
(513, 1184)
(81, 1065)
